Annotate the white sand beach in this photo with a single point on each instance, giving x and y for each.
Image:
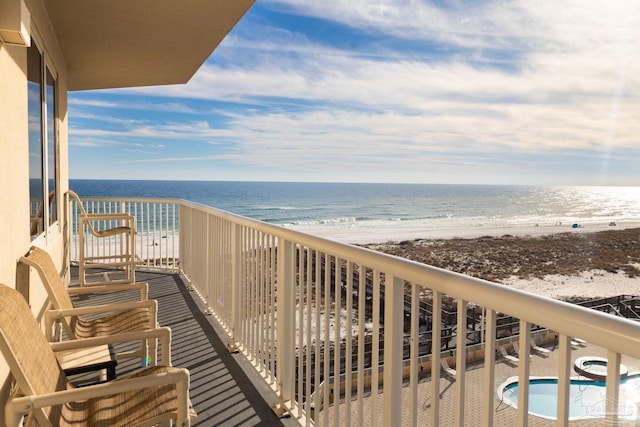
(587, 284)
(408, 231)
(555, 261)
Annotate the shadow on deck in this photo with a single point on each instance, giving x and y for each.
(225, 390)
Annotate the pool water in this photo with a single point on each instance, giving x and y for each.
(587, 398)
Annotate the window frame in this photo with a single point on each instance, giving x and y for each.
(49, 148)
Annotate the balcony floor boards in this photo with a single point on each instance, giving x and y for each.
(225, 390)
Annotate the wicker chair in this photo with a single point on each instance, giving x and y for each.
(120, 318)
(151, 396)
(106, 241)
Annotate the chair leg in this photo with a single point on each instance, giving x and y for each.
(81, 254)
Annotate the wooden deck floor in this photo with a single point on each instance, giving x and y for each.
(225, 390)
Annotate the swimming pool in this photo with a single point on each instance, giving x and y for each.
(587, 398)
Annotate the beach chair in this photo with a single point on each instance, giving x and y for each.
(507, 356)
(445, 367)
(540, 350)
(42, 391)
(516, 349)
(106, 242)
(578, 342)
(94, 321)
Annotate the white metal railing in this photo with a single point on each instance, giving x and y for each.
(314, 315)
(156, 223)
(336, 329)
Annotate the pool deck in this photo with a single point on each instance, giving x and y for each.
(504, 414)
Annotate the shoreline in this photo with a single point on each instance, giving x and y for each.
(365, 236)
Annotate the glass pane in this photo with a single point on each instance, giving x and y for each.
(52, 145)
(34, 87)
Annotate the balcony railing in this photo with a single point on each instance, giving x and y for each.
(347, 336)
(156, 244)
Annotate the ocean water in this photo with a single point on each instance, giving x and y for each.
(348, 210)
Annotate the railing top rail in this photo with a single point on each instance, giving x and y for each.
(617, 334)
(130, 199)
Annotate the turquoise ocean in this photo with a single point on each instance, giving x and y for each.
(358, 211)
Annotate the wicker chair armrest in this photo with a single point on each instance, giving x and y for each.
(151, 304)
(107, 216)
(143, 287)
(161, 333)
(180, 377)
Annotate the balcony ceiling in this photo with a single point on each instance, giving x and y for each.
(125, 43)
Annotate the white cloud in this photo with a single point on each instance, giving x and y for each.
(511, 80)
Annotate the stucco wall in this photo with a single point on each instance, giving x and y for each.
(15, 238)
(14, 166)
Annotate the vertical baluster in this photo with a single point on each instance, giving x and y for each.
(227, 278)
(253, 278)
(319, 305)
(362, 291)
(300, 325)
(436, 346)
(206, 232)
(160, 231)
(310, 358)
(523, 377)
(375, 348)
(272, 322)
(414, 345)
(327, 339)
(253, 292)
(348, 352)
(261, 299)
(155, 230)
(246, 292)
(175, 235)
(461, 360)
(337, 340)
(148, 232)
(489, 366)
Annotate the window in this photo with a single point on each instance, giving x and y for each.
(43, 143)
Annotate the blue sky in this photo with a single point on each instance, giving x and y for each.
(505, 92)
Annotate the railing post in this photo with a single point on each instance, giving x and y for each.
(564, 380)
(236, 288)
(285, 368)
(393, 332)
(612, 388)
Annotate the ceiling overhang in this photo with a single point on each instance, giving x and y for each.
(126, 43)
